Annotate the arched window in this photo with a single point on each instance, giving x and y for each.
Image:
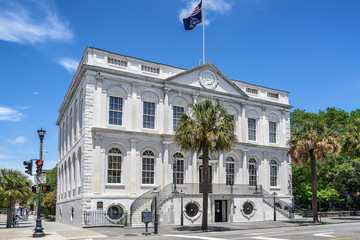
(114, 165)
(148, 167)
(230, 171)
(273, 173)
(178, 174)
(252, 172)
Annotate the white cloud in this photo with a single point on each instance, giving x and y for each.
(35, 93)
(18, 140)
(69, 64)
(34, 22)
(8, 114)
(211, 7)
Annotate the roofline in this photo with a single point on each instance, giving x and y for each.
(261, 86)
(133, 57)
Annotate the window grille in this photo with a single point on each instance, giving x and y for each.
(252, 91)
(177, 111)
(273, 173)
(273, 95)
(148, 167)
(272, 132)
(230, 171)
(114, 165)
(178, 173)
(252, 172)
(252, 129)
(115, 110)
(149, 115)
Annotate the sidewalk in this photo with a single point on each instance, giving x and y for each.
(55, 230)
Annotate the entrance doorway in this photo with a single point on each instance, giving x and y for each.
(201, 179)
(220, 210)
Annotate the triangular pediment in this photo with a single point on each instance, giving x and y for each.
(207, 77)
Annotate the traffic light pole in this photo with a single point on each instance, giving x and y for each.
(39, 229)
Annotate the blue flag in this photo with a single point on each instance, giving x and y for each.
(194, 18)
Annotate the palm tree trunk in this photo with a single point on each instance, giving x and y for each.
(9, 213)
(314, 187)
(205, 177)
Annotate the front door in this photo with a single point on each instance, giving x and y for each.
(220, 210)
(201, 179)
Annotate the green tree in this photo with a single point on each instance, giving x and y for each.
(51, 178)
(208, 127)
(49, 201)
(312, 142)
(351, 139)
(14, 187)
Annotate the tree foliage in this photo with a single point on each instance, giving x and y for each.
(338, 179)
(208, 127)
(14, 187)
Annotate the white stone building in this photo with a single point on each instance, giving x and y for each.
(116, 127)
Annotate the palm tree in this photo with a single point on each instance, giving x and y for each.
(14, 186)
(311, 141)
(351, 139)
(208, 127)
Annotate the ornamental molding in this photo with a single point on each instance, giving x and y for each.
(208, 79)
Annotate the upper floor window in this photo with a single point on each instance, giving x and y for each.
(149, 115)
(177, 111)
(252, 172)
(230, 171)
(178, 174)
(273, 173)
(252, 90)
(272, 132)
(148, 167)
(115, 110)
(273, 95)
(252, 129)
(114, 166)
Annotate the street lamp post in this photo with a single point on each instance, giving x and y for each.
(155, 193)
(274, 194)
(182, 194)
(39, 229)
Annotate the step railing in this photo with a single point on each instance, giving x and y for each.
(165, 194)
(281, 206)
(144, 198)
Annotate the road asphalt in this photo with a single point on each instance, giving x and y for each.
(54, 230)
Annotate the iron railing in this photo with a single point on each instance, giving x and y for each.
(101, 218)
(144, 198)
(164, 194)
(282, 207)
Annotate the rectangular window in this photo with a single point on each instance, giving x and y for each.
(177, 111)
(148, 172)
(252, 129)
(272, 132)
(114, 169)
(178, 174)
(149, 115)
(115, 110)
(273, 175)
(273, 95)
(230, 173)
(252, 91)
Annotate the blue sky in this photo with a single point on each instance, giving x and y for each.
(309, 48)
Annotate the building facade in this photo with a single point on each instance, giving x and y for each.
(116, 127)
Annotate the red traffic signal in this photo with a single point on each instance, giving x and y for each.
(45, 188)
(39, 163)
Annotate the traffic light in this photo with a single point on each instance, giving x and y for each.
(33, 189)
(45, 188)
(28, 167)
(39, 164)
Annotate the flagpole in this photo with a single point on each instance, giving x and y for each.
(203, 22)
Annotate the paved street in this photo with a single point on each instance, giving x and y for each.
(331, 229)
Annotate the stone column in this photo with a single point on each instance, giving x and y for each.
(243, 123)
(99, 103)
(221, 170)
(166, 111)
(263, 128)
(266, 172)
(98, 169)
(245, 172)
(133, 106)
(195, 96)
(133, 167)
(166, 165)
